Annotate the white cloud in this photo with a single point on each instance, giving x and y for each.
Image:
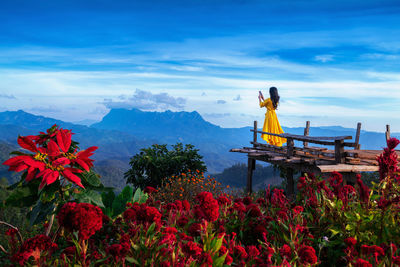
(147, 101)
(324, 58)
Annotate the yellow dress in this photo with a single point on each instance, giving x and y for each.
(271, 124)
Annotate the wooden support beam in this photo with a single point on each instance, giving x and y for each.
(357, 139)
(347, 168)
(387, 134)
(289, 183)
(339, 151)
(255, 134)
(290, 146)
(306, 132)
(250, 167)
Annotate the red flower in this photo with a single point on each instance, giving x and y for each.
(285, 251)
(252, 251)
(240, 251)
(362, 263)
(208, 207)
(297, 210)
(388, 160)
(41, 243)
(253, 210)
(223, 201)
(118, 251)
(191, 249)
(83, 217)
(396, 260)
(363, 190)
(307, 255)
(350, 241)
(52, 159)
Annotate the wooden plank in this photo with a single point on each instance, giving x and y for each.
(339, 151)
(289, 183)
(306, 132)
(387, 133)
(317, 148)
(250, 169)
(268, 146)
(290, 145)
(357, 139)
(255, 134)
(347, 168)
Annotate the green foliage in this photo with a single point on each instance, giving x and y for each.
(152, 165)
(115, 205)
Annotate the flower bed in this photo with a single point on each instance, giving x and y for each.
(329, 223)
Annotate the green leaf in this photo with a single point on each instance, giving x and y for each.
(91, 178)
(40, 212)
(132, 260)
(89, 196)
(140, 197)
(48, 192)
(22, 197)
(108, 198)
(151, 229)
(119, 203)
(218, 262)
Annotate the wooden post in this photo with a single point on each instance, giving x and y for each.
(357, 139)
(290, 145)
(250, 167)
(290, 183)
(255, 134)
(339, 151)
(306, 132)
(387, 134)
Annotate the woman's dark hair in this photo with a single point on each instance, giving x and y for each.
(273, 92)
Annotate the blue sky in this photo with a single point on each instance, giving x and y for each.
(334, 62)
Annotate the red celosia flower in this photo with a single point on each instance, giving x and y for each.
(350, 241)
(362, 263)
(253, 210)
(285, 251)
(307, 255)
(301, 183)
(186, 205)
(297, 210)
(247, 200)
(41, 243)
(336, 181)
(388, 160)
(239, 207)
(240, 251)
(252, 251)
(223, 201)
(194, 229)
(118, 251)
(207, 208)
(363, 190)
(396, 260)
(191, 249)
(373, 250)
(279, 199)
(83, 217)
(182, 221)
(149, 190)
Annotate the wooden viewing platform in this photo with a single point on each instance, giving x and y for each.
(313, 159)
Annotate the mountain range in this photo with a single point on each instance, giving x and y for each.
(122, 133)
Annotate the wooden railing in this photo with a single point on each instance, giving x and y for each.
(337, 141)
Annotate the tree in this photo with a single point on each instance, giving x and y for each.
(152, 165)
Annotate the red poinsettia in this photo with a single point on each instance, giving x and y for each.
(52, 157)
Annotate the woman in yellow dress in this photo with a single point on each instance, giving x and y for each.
(271, 123)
